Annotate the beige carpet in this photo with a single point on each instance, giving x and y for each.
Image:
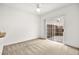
(39, 47)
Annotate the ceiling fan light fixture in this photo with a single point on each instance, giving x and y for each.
(38, 8)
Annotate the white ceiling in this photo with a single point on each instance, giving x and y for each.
(31, 7)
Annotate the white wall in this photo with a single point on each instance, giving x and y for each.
(18, 25)
(55, 22)
(71, 18)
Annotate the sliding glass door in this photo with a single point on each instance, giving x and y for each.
(55, 29)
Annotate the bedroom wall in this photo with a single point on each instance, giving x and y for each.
(18, 25)
(71, 20)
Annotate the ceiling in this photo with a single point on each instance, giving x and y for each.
(31, 7)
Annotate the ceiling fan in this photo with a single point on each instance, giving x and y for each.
(38, 8)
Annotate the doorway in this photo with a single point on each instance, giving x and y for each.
(55, 29)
